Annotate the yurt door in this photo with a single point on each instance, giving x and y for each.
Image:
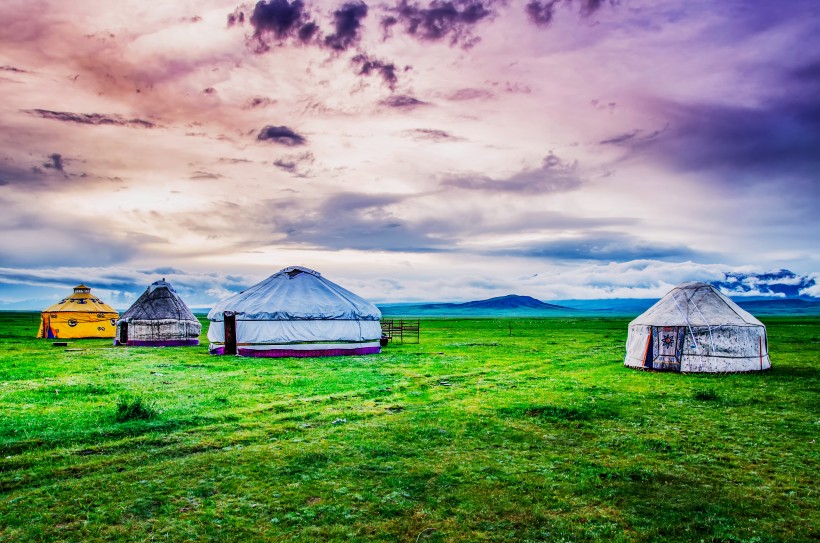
(667, 347)
(229, 321)
(123, 333)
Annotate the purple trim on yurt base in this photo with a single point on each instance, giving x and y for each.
(297, 353)
(160, 343)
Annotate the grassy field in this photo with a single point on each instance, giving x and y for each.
(488, 430)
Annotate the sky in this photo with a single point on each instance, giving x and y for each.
(431, 150)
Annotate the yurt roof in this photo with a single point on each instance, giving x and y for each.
(81, 300)
(296, 293)
(159, 302)
(696, 304)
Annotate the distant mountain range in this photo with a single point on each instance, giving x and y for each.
(525, 306)
(779, 292)
(510, 305)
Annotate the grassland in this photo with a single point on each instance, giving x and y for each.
(488, 430)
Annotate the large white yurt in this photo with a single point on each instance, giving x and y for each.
(295, 312)
(159, 318)
(695, 328)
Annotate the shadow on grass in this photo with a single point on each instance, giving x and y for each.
(558, 413)
(660, 505)
(134, 428)
(789, 372)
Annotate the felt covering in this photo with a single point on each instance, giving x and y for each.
(80, 315)
(296, 309)
(695, 328)
(159, 317)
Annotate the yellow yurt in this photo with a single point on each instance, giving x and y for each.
(81, 315)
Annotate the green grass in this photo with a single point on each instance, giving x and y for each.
(472, 435)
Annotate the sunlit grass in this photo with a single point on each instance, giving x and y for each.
(488, 430)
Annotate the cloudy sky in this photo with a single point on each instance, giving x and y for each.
(444, 150)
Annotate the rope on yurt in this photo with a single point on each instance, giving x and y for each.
(686, 320)
(708, 326)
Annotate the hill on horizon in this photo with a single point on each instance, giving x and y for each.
(501, 306)
(510, 301)
(513, 305)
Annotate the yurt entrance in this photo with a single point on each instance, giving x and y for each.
(123, 339)
(229, 318)
(666, 348)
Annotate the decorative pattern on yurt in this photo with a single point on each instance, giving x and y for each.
(81, 315)
(159, 318)
(295, 312)
(695, 328)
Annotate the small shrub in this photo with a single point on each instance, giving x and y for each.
(707, 395)
(135, 408)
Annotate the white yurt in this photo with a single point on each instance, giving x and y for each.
(159, 318)
(295, 312)
(695, 328)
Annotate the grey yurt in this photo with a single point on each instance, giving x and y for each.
(695, 328)
(295, 312)
(159, 318)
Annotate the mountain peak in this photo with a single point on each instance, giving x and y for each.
(510, 301)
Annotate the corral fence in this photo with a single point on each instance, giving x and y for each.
(401, 330)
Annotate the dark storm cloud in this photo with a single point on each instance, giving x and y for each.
(442, 19)
(278, 17)
(368, 222)
(808, 73)
(633, 137)
(603, 246)
(297, 164)
(34, 175)
(367, 65)
(282, 135)
(542, 12)
(554, 175)
(431, 134)
(591, 6)
(32, 240)
(469, 94)
(202, 174)
(282, 20)
(89, 118)
(402, 101)
(277, 21)
(230, 160)
(258, 102)
(8, 68)
(354, 221)
(737, 144)
(55, 162)
(621, 138)
(237, 17)
(347, 22)
(284, 164)
(13, 174)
